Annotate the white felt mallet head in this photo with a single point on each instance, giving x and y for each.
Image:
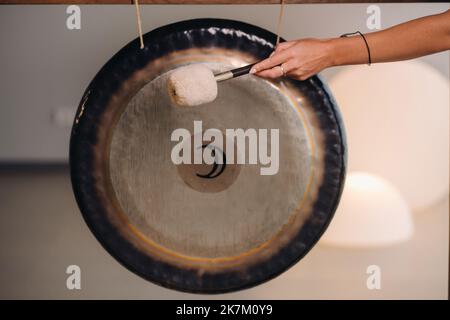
(196, 84)
(192, 85)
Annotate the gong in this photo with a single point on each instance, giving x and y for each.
(207, 227)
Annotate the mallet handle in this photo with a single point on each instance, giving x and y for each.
(233, 73)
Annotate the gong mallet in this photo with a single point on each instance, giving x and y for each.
(196, 84)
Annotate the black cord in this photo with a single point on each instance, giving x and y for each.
(365, 41)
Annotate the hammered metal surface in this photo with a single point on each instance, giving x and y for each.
(243, 216)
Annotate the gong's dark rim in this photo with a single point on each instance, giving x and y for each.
(160, 42)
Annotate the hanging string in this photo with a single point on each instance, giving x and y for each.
(139, 24)
(138, 16)
(280, 19)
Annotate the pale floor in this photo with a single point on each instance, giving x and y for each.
(42, 232)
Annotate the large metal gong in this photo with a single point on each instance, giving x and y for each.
(200, 227)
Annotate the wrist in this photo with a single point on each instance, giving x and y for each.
(348, 50)
(336, 52)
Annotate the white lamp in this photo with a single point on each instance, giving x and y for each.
(371, 213)
(397, 121)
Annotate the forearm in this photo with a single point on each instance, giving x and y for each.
(408, 40)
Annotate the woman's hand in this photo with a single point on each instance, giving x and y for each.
(298, 59)
(301, 59)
